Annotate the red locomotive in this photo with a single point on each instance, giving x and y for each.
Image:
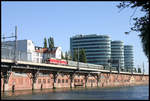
(56, 61)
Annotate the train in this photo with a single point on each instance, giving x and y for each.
(56, 61)
(72, 63)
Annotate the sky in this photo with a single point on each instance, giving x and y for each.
(62, 20)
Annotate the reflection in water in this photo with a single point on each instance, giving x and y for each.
(126, 93)
(29, 92)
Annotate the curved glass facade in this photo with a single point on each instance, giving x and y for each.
(97, 47)
(117, 53)
(128, 56)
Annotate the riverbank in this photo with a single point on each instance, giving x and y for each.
(24, 92)
(47, 81)
(139, 92)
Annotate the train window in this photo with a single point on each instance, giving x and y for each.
(78, 80)
(74, 80)
(39, 80)
(82, 80)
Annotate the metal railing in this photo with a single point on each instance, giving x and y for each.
(84, 65)
(8, 53)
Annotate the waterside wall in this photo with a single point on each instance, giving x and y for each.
(24, 81)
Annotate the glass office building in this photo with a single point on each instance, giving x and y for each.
(128, 56)
(117, 53)
(97, 47)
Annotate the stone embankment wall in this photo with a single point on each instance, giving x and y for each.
(23, 81)
(114, 80)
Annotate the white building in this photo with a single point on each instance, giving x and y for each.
(49, 53)
(25, 50)
(58, 52)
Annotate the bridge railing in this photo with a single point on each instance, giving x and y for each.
(84, 65)
(8, 53)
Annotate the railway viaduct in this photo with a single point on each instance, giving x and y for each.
(22, 75)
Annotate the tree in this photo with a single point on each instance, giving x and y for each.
(75, 55)
(69, 56)
(139, 70)
(51, 43)
(82, 56)
(45, 42)
(66, 55)
(62, 56)
(135, 70)
(141, 24)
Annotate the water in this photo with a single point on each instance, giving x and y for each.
(120, 93)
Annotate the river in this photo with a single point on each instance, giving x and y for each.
(119, 93)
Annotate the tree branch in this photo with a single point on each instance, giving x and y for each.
(132, 15)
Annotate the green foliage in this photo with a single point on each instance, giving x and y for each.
(75, 55)
(69, 56)
(51, 42)
(139, 70)
(135, 70)
(128, 70)
(141, 24)
(82, 56)
(45, 42)
(62, 57)
(66, 55)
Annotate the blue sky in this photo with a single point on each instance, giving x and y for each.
(62, 20)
